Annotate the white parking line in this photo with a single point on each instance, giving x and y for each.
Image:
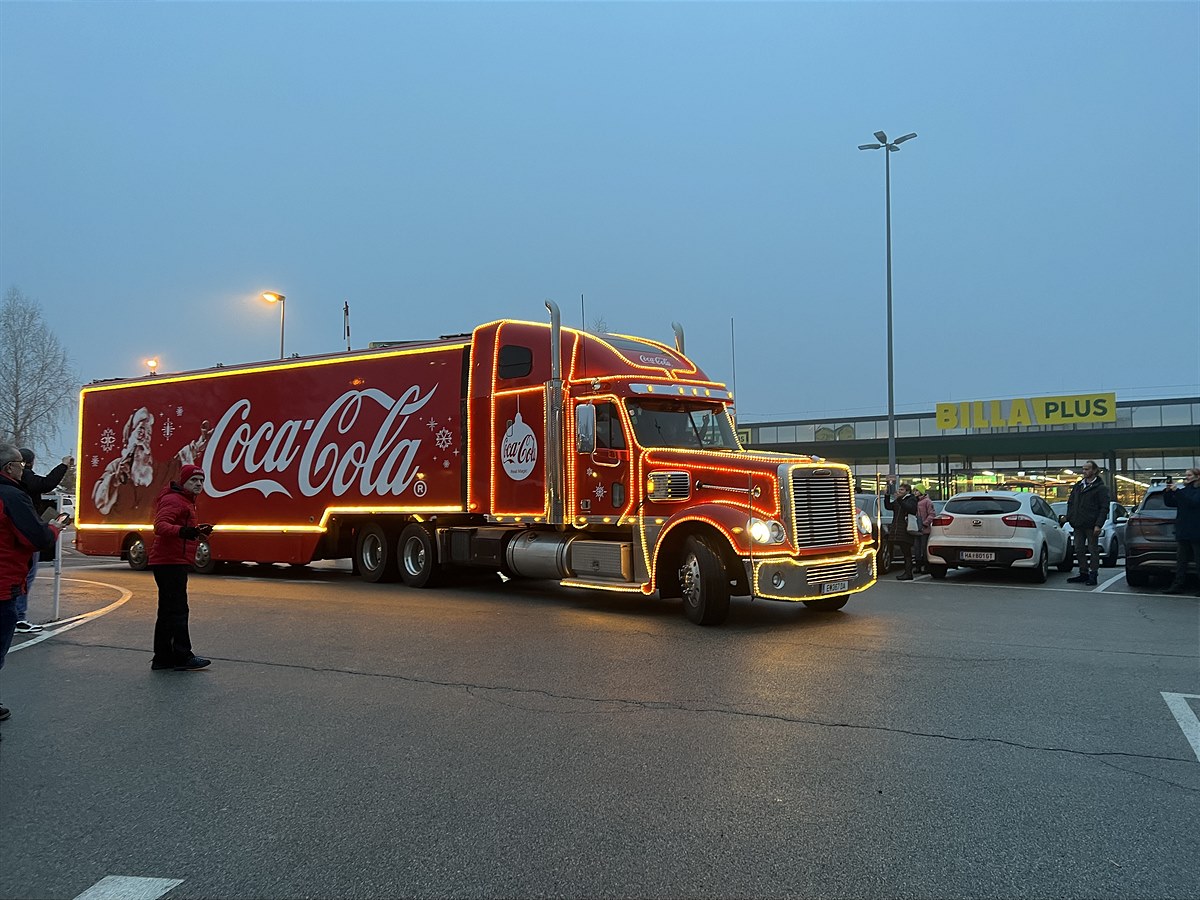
(55, 628)
(1119, 576)
(1186, 717)
(129, 887)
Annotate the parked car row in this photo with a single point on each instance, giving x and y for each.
(1020, 530)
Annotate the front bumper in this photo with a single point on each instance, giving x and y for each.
(788, 578)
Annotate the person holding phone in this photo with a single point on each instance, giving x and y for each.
(176, 534)
(35, 486)
(1185, 499)
(22, 533)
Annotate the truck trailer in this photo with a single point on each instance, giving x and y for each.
(602, 461)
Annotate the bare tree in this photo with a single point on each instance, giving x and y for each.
(599, 325)
(37, 387)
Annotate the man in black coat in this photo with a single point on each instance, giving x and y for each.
(1186, 500)
(35, 485)
(1087, 508)
(903, 505)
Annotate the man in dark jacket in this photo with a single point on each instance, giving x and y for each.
(1186, 500)
(902, 506)
(1087, 508)
(35, 485)
(22, 532)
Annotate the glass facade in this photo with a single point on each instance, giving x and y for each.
(1049, 471)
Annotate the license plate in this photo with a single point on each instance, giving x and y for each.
(977, 555)
(835, 587)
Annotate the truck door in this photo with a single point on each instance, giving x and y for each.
(602, 476)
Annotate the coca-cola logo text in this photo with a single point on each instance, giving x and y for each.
(321, 448)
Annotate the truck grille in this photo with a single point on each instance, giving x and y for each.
(832, 572)
(670, 485)
(822, 507)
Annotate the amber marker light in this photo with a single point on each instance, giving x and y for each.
(152, 365)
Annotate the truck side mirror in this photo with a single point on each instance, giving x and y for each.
(585, 428)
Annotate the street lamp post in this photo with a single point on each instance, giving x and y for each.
(273, 297)
(889, 147)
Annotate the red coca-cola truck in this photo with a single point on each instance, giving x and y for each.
(602, 461)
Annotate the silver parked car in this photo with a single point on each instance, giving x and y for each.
(1112, 534)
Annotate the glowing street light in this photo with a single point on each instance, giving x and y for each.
(273, 297)
(891, 147)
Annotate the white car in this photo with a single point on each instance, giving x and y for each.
(1004, 529)
(1112, 533)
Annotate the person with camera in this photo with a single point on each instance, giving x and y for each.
(903, 505)
(22, 533)
(1186, 500)
(176, 534)
(35, 486)
(1087, 508)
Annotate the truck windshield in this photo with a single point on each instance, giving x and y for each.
(679, 423)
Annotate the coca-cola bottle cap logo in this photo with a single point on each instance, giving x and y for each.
(518, 450)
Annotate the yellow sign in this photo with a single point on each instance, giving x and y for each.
(1028, 411)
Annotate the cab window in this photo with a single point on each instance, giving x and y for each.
(609, 434)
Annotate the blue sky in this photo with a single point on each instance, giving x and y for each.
(440, 165)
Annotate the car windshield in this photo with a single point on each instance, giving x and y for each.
(679, 423)
(983, 506)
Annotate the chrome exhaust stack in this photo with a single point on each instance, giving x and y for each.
(555, 470)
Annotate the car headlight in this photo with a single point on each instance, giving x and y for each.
(766, 532)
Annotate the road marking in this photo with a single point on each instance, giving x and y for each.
(68, 624)
(1186, 717)
(1104, 587)
(129, 887)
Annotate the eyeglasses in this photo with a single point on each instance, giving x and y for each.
(21, 462)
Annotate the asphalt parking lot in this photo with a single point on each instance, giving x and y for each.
(977, 736)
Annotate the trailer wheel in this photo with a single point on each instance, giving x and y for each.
(703, 583)
(374, 555)
(203, 563)
(135, 552)
(417, 553)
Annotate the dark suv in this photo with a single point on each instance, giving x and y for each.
(1150, 540)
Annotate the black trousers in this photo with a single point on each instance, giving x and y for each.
(905, 549)
(172, 644)
(1185, 550)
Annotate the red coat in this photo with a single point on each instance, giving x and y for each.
(22, 533)
(174, 509)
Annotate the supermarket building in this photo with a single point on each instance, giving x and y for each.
(1035, 444)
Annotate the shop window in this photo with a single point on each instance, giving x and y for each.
(787, 434)
(1147, 416)
(908, 427)
(845, 433)
(806, 433)
(767, 435)
(825, 433)
(1176, 414)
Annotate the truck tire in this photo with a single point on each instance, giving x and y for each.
(375, 554)
(702, 583)
(136, 552)
(417, 555)
(827, 604)
(203, 563)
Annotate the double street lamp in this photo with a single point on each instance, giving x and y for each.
(273, 297)
(889, 147)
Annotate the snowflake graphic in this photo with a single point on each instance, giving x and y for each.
(95, 461)
(108, 439)
(433, 424)
(599, 492)
(445, 463)
(443, 438)
(179, 410)
(168, 429)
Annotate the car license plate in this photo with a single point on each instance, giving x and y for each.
(977, 555)
(835, 587)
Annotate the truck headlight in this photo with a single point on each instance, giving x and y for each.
(766, 532)
(865, 526)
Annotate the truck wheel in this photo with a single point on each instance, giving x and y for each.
(135, 552)
(374, 554)
(204, 564)
(418, 557)
(702, 583)
(1110, 558)
(827, 604)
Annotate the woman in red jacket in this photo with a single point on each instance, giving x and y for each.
(171, 555)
